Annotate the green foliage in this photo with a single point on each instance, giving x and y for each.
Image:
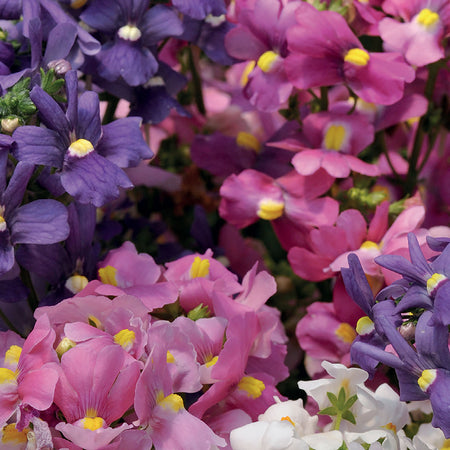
(16, 103)
(199, 312)
(52, 85)
(340, 407)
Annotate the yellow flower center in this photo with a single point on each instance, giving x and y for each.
(212, 361)
(334, 137)
(346, 333)
(7, 376)
(364, 325)
(80, 148)
(170, 358)
(125, 338)
(434, 281)
(267, 60)
(427, 18)
(248, 141)
(129, 33)
(391, 426)
(171, 402)
(93, 423)
(12, 355)
(199, 268)
(368, 245)
(357, 56)
(2, 223)
(65, 345)
(446, 445)
(76, 283)
(75, 4)
(12, 436)
(270, 209)
(426, 379)
(287, 418)
(252, 386)
(94, 322)
(248, 68)
(215, 21)
(107, 275)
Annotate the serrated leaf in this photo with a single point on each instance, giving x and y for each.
(330, 411)
(349, 403)
(348, 415)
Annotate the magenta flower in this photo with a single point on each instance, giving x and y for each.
(420, 36)
(260, 38)
(289, 202)
(326, 52)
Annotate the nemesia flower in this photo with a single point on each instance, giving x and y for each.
(420, 37)
(324, 52)
(260, 37)
(87, 155)
(95, 388)
(332, 142)
(136, 30)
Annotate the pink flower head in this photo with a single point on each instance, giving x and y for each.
(96, 387)
(420, 36)
(161, 412)
(334, 141)
(260, 38)
(29, 373)
(326, 52)
(289, 202)
(125, 271)
(197, 276)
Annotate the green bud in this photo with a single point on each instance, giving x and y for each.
(199, 312)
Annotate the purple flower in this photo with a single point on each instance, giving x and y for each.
(135, 31)
(326, 52)
(38, 222)
(88, 156)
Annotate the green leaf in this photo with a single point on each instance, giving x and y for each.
(341, 399)
(349, 403)
(348, 415)
(330, 411)
(333, 399)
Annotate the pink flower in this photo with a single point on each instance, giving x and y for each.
(326, 52)
(420, 37)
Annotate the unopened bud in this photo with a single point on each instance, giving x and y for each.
(60, 66)
(408, 331)
(9, 125)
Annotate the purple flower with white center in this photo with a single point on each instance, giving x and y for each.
(134, 31)
(325, 52)
(38, 222)
(88, 156)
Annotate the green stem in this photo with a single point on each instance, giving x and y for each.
(110, 110)
(9, 324)
(32, 298)
(323, 98)
(338, 421)
(381, 142)
(196, 81)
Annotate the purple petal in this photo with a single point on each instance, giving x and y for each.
(60, 41)
(37, 145)
(6, 252)
(16, 187)
(159, 22)
(89, 123)
(123, 144)
(442, 304)
(50, 113)
(93, 179)
(103, 15)
(402, 266)
(72, 98)
(39, 222)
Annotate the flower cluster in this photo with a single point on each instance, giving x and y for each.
(202, 201)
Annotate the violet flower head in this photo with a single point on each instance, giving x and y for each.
(324, 52)
(88, 156)
(134, 31)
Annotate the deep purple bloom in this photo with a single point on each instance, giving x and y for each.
(38, 222)
(134, 31)
(88, 156)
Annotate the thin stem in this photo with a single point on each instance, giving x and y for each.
(381, 141)
(110, 110)
(196, 80)
(338, 421)
(323, 98)
(9, 324)
(32, 298)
